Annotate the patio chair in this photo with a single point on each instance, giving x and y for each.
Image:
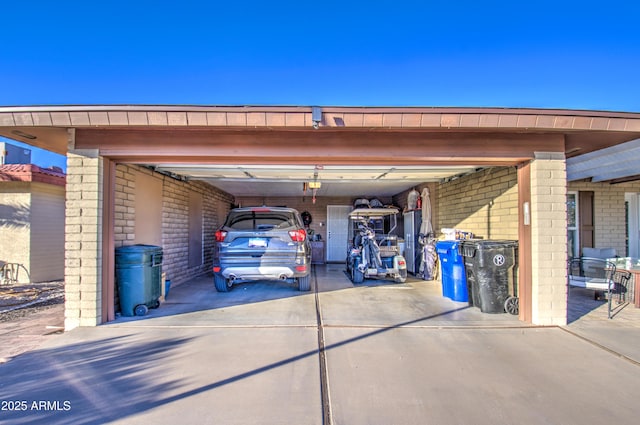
(593, 273)
(622, 289)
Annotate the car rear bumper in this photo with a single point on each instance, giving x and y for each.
(264, 272)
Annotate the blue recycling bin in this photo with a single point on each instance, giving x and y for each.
(454, 278)
(138, 274)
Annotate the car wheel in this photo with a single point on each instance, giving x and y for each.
(304, 283)
(402, 276)
(222, 284)
(356, 275)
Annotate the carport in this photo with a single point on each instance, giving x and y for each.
(269, 152)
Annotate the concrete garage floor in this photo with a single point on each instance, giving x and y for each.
(377, 303)
(378, 353)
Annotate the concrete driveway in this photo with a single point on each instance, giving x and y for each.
(378, 353)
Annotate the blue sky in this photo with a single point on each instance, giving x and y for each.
(542, 54)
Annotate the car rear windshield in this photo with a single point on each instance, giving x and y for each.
(261, 220)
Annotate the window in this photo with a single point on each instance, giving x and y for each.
(573, 242)
(632, 222)
(261, 220)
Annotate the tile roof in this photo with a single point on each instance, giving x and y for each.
(32, 173)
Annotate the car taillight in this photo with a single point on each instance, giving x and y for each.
(220, 235)
(298, 235)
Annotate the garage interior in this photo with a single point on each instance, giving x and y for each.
(490, 195)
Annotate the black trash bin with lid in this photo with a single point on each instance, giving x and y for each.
(490, 266)
(139, 278)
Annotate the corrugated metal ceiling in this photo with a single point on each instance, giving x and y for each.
(614, 164)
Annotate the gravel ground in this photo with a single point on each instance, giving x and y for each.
(17, 301)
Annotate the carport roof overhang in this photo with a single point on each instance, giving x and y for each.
(287, 135)
(584, 131)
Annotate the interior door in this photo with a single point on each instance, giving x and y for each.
(337, 232)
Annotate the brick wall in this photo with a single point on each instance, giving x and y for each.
(485, 203)
(83, 239)
(124, 209)
(548, 239)
(609, 212)
(175, 218)
(175, 225)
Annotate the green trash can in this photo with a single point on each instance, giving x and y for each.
(139, 278)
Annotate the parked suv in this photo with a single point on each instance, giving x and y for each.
(262, 243)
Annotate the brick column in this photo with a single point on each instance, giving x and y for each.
(549, 239)
(83, 239)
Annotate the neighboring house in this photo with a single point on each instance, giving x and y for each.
(32, 221)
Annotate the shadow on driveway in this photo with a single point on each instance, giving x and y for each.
(114, 378)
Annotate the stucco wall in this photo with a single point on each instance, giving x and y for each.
(47, 232)
(15, 225)
(32, 229)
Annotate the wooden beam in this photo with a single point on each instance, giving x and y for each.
(525, 265)
(327, 147)
(108, 241)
